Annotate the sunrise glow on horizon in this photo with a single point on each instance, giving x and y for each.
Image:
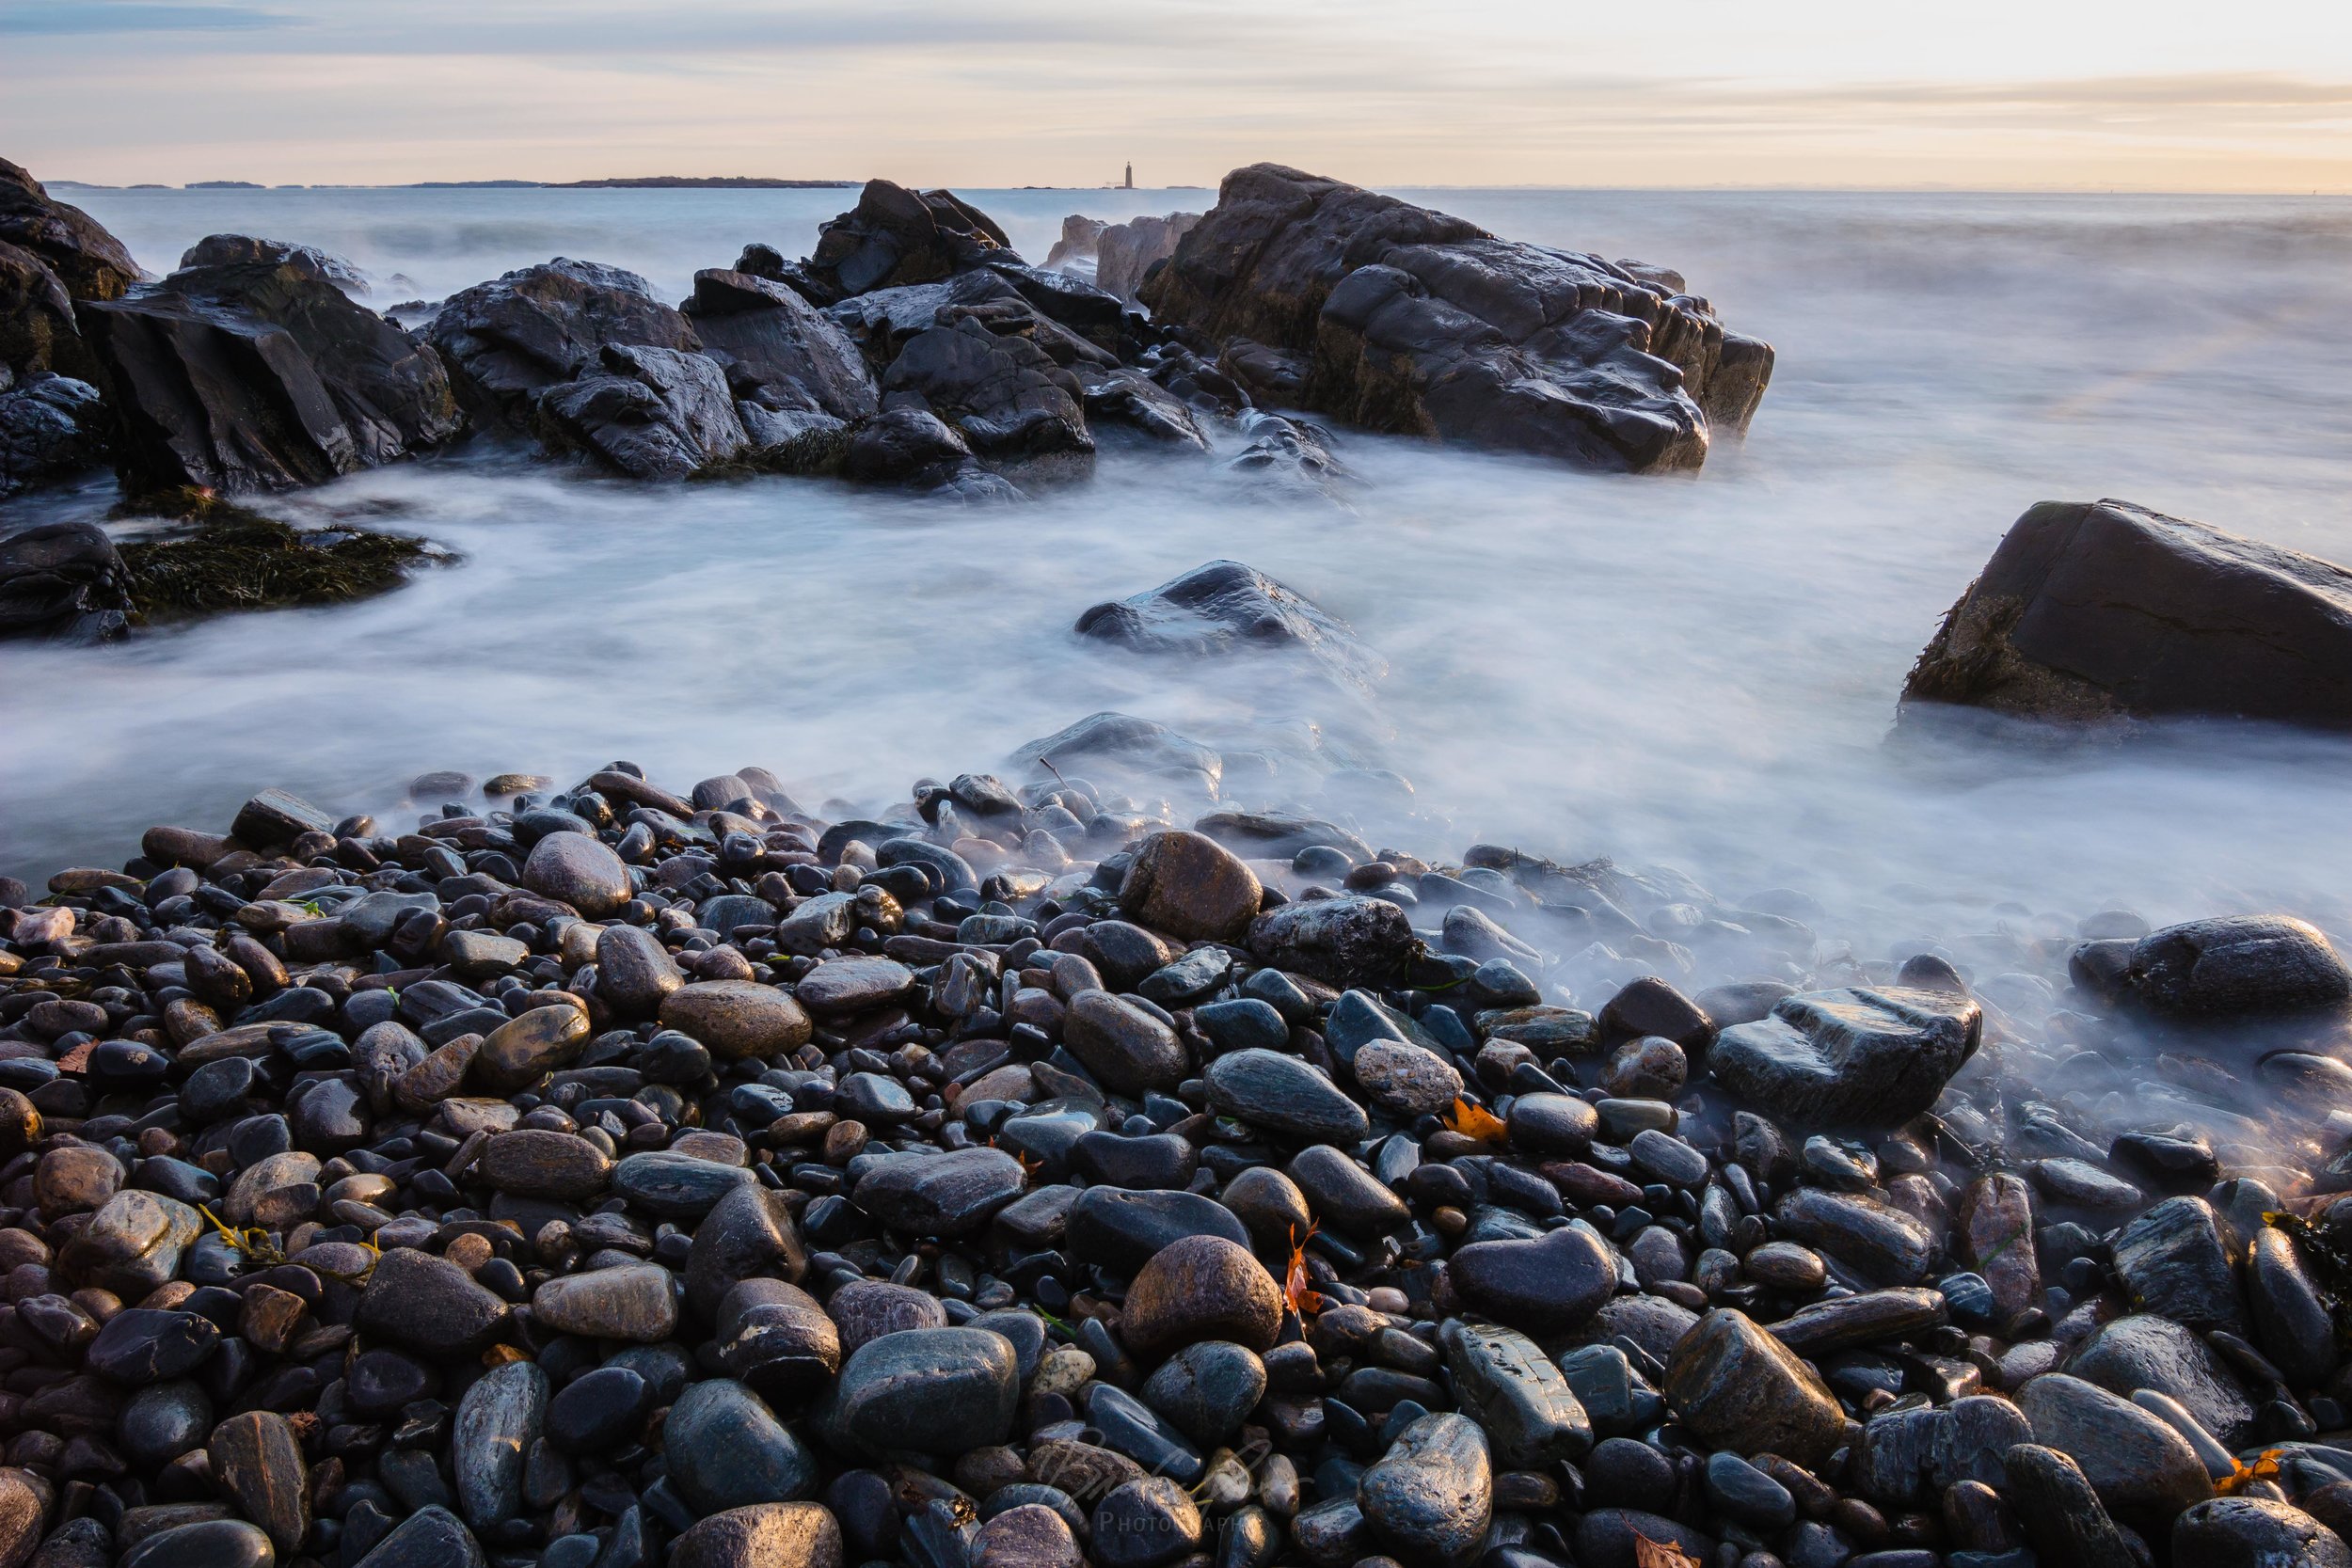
(2066, 95)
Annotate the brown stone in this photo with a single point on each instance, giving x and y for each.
(1191, 887)
(258, 1460)
(544, 1163)
(1201, 1288)
(736, 1019)
(521, 1050)
(772, 1535)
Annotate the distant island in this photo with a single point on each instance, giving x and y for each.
(223, 185)
(707, 181)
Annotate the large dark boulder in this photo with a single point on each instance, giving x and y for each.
(2106, 611)
(894, 236)
(51, 426)
(914, 448)
(1226, 607)
(90, 262)
(585, 358)
(1003, 395)
(256, 375)
(795, 375)
(1402, 319)
(62, 580)
(217, 250)
(36, 330)
(1849, 1057)
(649, 413)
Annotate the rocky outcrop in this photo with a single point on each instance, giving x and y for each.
(2109, 610)
(222, 250)
(90, 262)
(36, 330)
(1125, 252)
(62, 580)
(258, 376)
(895, 236)
(1402, 319)
(1118, 255)
(799, 383)
(585, 358)
(51, 426)
(1226, 607)
(1002, 393)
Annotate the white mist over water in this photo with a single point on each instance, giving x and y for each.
(1698, 671)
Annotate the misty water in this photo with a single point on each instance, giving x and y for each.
(1699, 671)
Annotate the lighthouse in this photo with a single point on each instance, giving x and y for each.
(1131, 177)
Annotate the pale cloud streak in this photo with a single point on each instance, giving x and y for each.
(994, 93)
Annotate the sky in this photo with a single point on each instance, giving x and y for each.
(2064, 94)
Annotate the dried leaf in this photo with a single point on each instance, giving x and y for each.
(2265, 1467)
(1660, 1554)
(1297, 1288)
(1474, 1121)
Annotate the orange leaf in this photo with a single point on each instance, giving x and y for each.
(1302, 1298)
(1473, 1121)
(2265, 1467)
(1660, 1554)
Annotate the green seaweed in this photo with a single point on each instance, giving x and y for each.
(238, 558)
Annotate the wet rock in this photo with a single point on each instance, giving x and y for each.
(762, 1535)
(632, 1301)
(2240, 966)
(635, 973)
(1201, 1288)
(1125, 1047)
(576, 869)
(521, 1050)
(207, 1544)
(1876, 1238)
(2291, 1321)
(2253, 1532)
(497, 1422)
(1544, 1285)
(1226, 607)
(599, 1410)
(1531, 1416)
(430, 1305)
(677, 1186)
(1189, 886)
(1207, 1388)
(2175, 1261)
(2106, 610)
(1736, 1387)
(254, 376)
(1285, 1096)
(1849, 1057)
(259, 1461)
(69, 580)
(1405, 1080)
(748, 1232)
(1028, 1536)
(1146, 1522)
(738, 1020)
(542, 1162)
(1122, 1230)
(2135, 1461)
(941, 1196)
(1422, 322)
(141, 1345)
(2149, 1351)
(1552, 1126)
(790, 366)
(1431, 1496)
(933, 1390)
(1347, 941)
(866, 1310)
(432, 1537)
(1344, 1194)
(1004, 395)
(727, 1450)
(2062, 1515)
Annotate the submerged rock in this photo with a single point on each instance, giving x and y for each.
(1226, 607)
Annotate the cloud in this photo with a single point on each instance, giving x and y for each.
(69, 18)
